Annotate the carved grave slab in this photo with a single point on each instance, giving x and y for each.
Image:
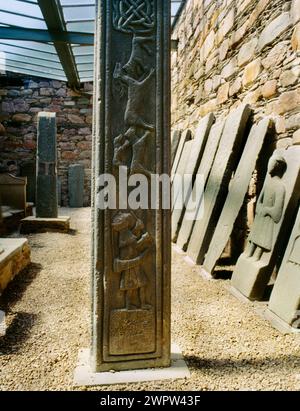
(285, 297)
(189, 217)
(272, 224)
(191, 167)
(236, 194)
(186, 135)
(131, 248)
(217, 184)
(174, 143)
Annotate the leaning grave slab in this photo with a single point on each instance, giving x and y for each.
(269, 233)
(285, 297)
(231, 140)
(191, 211)
(191, 166)
(236, 194)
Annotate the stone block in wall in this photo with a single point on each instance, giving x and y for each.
(276, 55)
(222, 96)
(22, 118)
(235, 87)
(269, 89)
(229, 69)
(253, 96)
(288, 101)
(226, 25)
(223, 49)
(247, 52)
(274, 29)
(293, 122)
(252, 71)
(295, 11)
(296, 38)
(208, 45)
(288, 78)
(296, 137)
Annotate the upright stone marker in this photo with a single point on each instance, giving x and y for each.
(76, 185)
(131, 256)
(46, 192)
(216, 188)
(272, 224)
(285, 297)
(203, 170)
(236, 195)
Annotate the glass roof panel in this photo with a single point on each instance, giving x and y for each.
(28, 52)
(82, 27)
(79, 13)
(41, 59)
(21, 7)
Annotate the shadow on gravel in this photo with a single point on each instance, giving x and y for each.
(18, 330)
(242, 365)
(18, 286)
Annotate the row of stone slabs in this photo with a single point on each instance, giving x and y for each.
(222, 158)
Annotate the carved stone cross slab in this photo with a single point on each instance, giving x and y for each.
(131, 247)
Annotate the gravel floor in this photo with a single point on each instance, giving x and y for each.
(226, 345)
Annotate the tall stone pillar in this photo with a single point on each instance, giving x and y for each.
(131, 248)
(46, 192)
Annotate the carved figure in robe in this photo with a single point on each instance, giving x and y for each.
(268, 210)
(133, 246)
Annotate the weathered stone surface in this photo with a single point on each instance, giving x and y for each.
(274, 30)
(46, 193)
(223, 93)
(43, 225)
(277, 202)
(247, 52)
(288, 78)
(295, 11)
(253, 96)
(229, 69)
(190, 168)
(76, 185)
(14, 258)
(184, 159)
(285, 296)
(296, 137)
(269, 89)
(203, 171)
(288, 101)
(296, 38)
(236, 194)
(276, 55)
(174, 143)
(131, 248)
(21, 118)
(232, 137)
(252, 71)
(235, 87)
(186, 135)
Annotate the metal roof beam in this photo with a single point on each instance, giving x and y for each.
(54, 18)
(44, 36)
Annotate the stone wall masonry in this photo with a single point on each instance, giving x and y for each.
(234, 51)
(239, 51)
(19, 107)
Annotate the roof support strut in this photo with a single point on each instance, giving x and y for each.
(20, 33)
(54, 18)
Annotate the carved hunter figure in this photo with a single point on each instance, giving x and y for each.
(268, 210)
(133, 246)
